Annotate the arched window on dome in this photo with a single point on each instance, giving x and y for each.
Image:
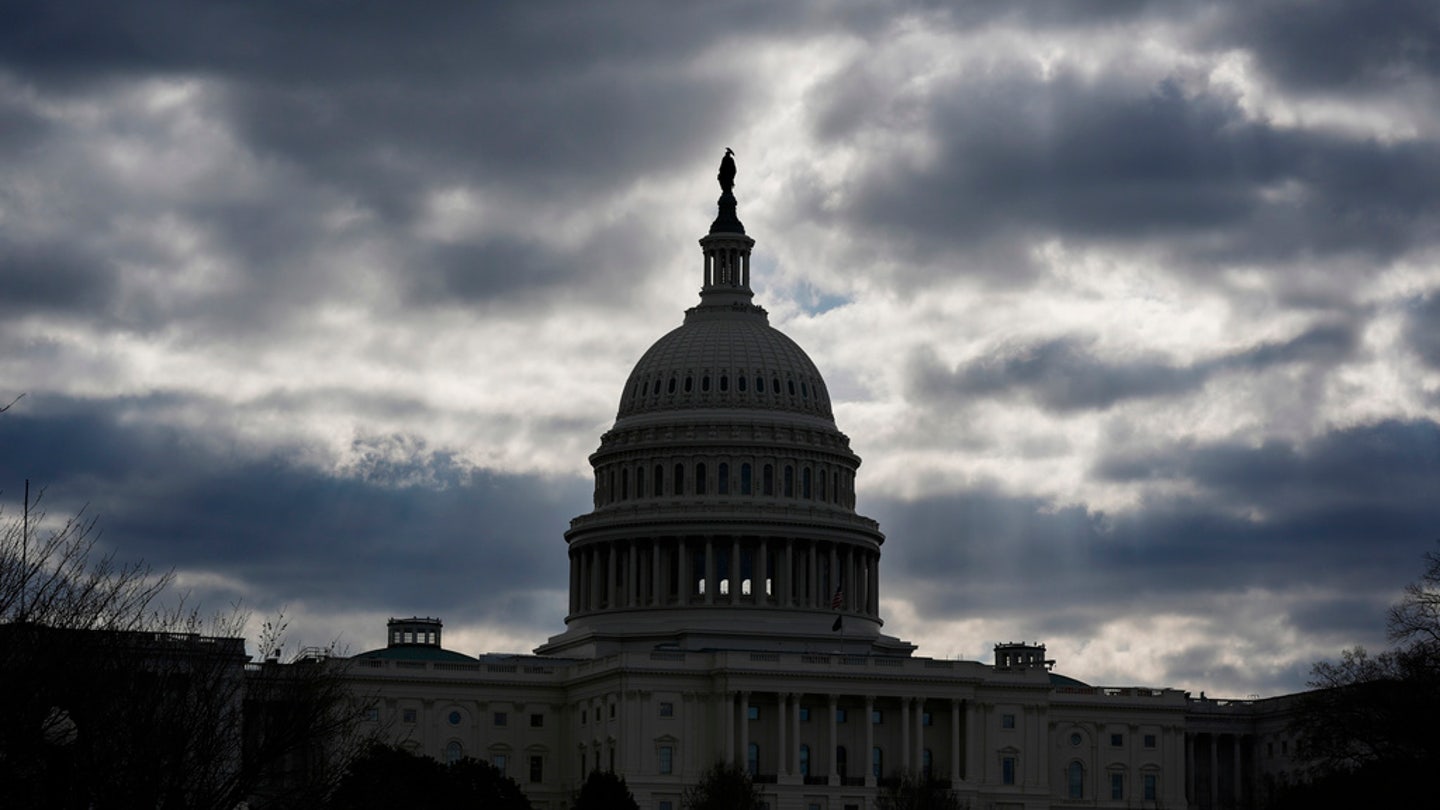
(640, 481)
(789, 481)
(804, 390)
(724, 383)
(659, 480)
(656, 389)
(679, 479)
(805, 484)
(671, 388)
(822, 477)
(701, 485)
(722, 479)
(705, 384)
(759, 384)
(790, 386)
(625, 484)
(740, 382)
(689, 383)
(745, 486)
(767, 482)
(775, 385)
(834, 487)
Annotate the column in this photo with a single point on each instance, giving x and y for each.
(834, 577)
(874, 591)
(1190, 768)
(869, 753)
(833, 777)
(1238, 785)
(795, 724)
(919, 732)
(782, 753)
(595, 578)
(814, 566)
(655, 572)
(735, 571)
(1214, 770)
(974, 770)
(955, 743)
(632, 585)
(709, 570)
(729, 710)
(787, 582)
(761, 571)
(745, 731)
(686, 585)
(905, 735)
(610, 598)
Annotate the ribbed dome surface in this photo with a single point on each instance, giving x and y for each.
(725, 359)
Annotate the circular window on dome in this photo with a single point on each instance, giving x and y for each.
(455, 718)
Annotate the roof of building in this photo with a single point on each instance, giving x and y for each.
(416, 652)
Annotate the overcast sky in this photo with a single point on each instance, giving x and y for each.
(1131, 309)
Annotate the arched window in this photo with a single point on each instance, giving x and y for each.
(752, 758)
(789, 481)
(671, 388)
(705, 384)
(740, 381)
(804, 390)
(841, 766)
(877, 762)
(625, 484)
(745, 487)
(657, 386)
(724, 383)
(659, 480)
(822, 485)
(689, 383)
(834, 487)
(700, 483)
(454, 752)
(679, 479)
(1075, 780)
(722, 481)
(639, 482)
(790, 386)
(759, 384)
(804, 760)
(805, 484)
(774, 385)
(767, 480)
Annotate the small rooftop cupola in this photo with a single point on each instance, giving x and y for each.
(413, 632)
(1012, 655)
(727, 249)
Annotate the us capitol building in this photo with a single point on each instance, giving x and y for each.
(725, 605)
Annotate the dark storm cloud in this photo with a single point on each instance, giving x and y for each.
(52, 277)
(1018, 158)
(1422, 329)
(1352, 512)
(406, 530)
(1064, 374)
(1347, 45)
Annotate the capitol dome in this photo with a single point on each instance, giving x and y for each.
(724, 506)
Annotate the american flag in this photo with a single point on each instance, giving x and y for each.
(838, 600)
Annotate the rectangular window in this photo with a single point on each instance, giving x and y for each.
(612, 711)
(877, 717)
(1007, 770)
(752, 712)
(502, 719)
(1007, 721)
(840, 715)
(1117, 786)
(667, 709)
(1150, 787)
(597, 714)
(372, 713)
(1269, 749)
(667, 759)
(667, 806)
(1117, 740)
(1149, 740)
(407, 715)
(537, 768)
(537, 721)
(499, 761)
(927, 719)
(804, 714)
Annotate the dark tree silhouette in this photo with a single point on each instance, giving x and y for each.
(605, 791)
(387, 776)
(723, 787)
(1367, 729)
(914, 792)
(111, 701)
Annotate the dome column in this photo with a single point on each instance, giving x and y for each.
(709, 570)
(735, 560)
(762, 574)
